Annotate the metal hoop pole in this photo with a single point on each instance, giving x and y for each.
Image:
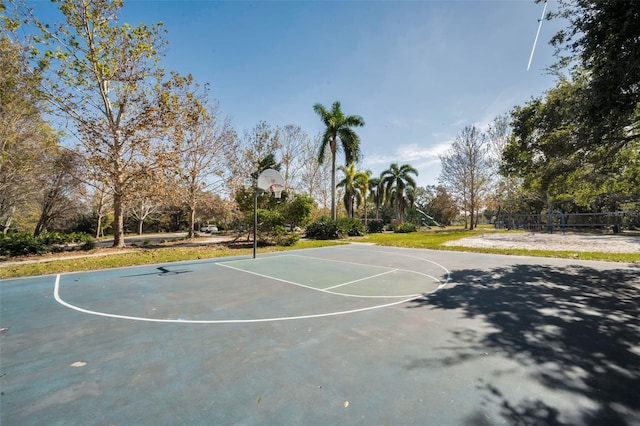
(255, 220)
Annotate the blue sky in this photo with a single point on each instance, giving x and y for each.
(416, 71)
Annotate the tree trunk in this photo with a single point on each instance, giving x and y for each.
(365, 212)
(140, 223)
(118, 221)
(40, 225)
(334, 215)
(7, 223)
(192, 220)
(99, 226)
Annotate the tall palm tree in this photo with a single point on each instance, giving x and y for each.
(397, 181)
(352, 184)
(338, 127)
(362, 185)
(377, 194)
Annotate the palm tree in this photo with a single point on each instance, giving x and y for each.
(377, 194)
(362, 185)
(397, 181)
(338, 127)
(352, 184)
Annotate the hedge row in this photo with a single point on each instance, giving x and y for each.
(22, 243)
(326, 229)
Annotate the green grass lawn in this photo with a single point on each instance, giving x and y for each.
(140, 256)
(137, 256)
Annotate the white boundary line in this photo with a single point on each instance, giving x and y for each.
(56, 294)
(360, 279)
(405, 255)
(326, 290)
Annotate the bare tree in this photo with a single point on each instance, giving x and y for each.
(466, 171)
(292, 143)
(256, 145)
(498, 136)
(505, 188)
(315, 178)
(202, 142)
(58, 188)
(100, 200)
(142, 207)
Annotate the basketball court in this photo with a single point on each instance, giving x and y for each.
(354, 334)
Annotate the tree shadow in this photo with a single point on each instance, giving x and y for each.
(579, 326)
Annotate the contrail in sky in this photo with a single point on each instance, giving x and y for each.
(533, 49)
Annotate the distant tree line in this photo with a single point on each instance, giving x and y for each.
(96, 136)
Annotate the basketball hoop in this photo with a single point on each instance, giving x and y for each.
(268, 181)
(277, 190)
(271, 181)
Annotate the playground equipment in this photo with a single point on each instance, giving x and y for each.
(428, 220)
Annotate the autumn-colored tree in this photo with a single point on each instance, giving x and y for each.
(25, 137)
(105, 79)
(201, 143)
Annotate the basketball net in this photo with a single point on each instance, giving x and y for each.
(276, 189)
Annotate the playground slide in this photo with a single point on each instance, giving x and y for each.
(428, 220)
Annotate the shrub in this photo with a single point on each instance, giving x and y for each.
(287, 240)
(22, 243)
(89, 245)
(323, 229)
(375, 225)
(326, 229)
(350, 226)
(406, 227)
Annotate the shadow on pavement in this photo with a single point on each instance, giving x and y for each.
(577, 326)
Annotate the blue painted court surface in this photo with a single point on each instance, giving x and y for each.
(353, 334)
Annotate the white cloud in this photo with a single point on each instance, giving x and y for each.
(408, 124)
(459, 123)
(409, 154)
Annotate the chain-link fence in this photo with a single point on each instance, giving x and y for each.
(561, 222)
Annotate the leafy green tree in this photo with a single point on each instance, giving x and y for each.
(352, 183)
(105, 78)
(397, 181)
(297, 211)
(338, 134)
(547, 153)
(603, 39)
(362, 186)
(376, 191)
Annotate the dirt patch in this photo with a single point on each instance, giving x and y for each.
(557, 242)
